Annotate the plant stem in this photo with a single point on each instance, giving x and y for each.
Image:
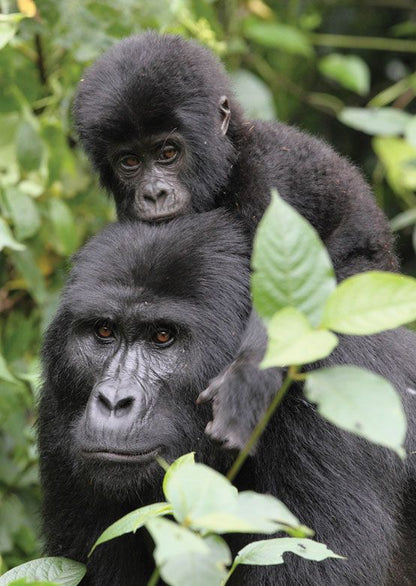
(261, 426)
(356, 42)
(154, 578)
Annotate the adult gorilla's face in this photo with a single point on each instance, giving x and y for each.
(149, 316)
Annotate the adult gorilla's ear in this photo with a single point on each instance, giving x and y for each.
(225, 114)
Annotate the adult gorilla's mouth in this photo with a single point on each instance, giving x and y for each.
(118, 457)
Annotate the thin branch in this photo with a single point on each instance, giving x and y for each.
(261, 426)
(356, 42)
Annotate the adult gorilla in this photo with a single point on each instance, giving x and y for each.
(159, 122)
(141, 329)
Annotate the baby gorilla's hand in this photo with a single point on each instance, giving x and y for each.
(240, 396)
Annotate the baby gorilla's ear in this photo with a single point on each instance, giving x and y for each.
(225, 111)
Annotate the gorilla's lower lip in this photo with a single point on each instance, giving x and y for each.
(121, 457)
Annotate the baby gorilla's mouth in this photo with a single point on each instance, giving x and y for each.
(109, 455)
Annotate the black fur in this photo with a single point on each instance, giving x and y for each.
(151, 90)
(164, 84)
(359, 498)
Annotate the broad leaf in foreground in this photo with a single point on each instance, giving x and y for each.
(206, 501)
(185, 558)
(293, 341)
(371, 302)
(60, 570)
(291, 265)
(360, 402)
(132, 521)
(270, 551)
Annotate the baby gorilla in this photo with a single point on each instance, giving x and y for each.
(158, 119)
(149, 315)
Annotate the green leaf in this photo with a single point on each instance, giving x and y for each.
(399, 160)
(254, 95)
(292, 341)
(5, 373)
(361, 402)
(6, 238)
(197, 490)
(185, 460)
(25, 582)
(132, 521)
(182, 555)
(270, 551)
(63, 222)
(291, 265)
(29, 147)
(403, 220)
(27, 267)
(173, 540)
(378, 121)
(410, 131)
(206, 501)
(278, 36)
(63, 571)
(7, 32)
(23, 212)
(350, 71)
(371, 302)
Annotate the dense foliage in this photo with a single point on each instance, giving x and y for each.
(299, 61)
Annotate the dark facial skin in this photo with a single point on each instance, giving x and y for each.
(149, 171)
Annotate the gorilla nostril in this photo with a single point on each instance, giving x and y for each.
(104, 402)
(124, 405)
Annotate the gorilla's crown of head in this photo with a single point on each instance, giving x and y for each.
(147, 78)
(166, 261)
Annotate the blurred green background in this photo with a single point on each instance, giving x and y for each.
(344, 70)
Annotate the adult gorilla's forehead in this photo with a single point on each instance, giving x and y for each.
(197, 259)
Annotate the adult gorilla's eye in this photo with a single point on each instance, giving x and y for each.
(104, 332)
(168, 153)
(163, 337)
(130, 162)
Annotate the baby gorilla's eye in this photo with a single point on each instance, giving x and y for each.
(163, 337)
(104, 332)
(168, 153)
(130, 162)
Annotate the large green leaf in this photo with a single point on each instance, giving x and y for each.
(6, 238)
(350, 71)
(292, 340)
(361, 402)
(65, 229)
(185, 460)
(371, 302)
(29, 146)
(23, 211)
(378, 121)
(270, 551)
(291, 265)
(399, 159)
(278, 36)
(254, 95)
(206, 501)
(410, 131)
(197, 490)
(132, 521)
(185, 558)
(62, 571)
(27, 267)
